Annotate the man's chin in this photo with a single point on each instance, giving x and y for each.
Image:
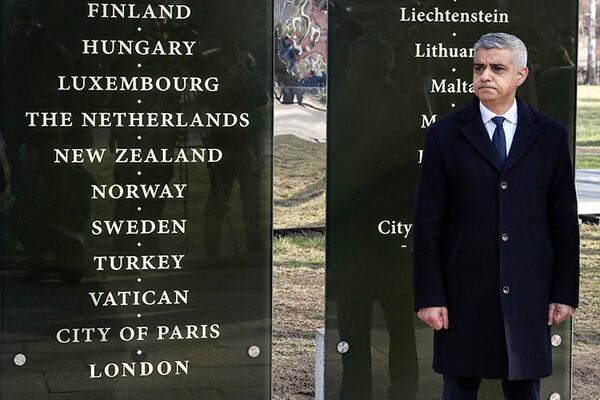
(486, 95)
(488, 90)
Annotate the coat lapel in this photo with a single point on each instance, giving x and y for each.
(477, 135)
(524, 135)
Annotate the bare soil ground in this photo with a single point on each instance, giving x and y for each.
(586, 343)
(586, 375)
(298, 310)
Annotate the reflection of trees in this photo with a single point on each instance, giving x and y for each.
(590, 22)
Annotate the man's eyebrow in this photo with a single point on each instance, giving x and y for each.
(491, 64)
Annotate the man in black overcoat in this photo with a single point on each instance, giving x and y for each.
(496, 238)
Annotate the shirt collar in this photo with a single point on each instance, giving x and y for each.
(510, 115)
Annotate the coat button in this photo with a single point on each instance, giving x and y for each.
(503, 185)
(504, 237)
(506, 290)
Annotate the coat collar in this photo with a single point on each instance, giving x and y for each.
(477, 135)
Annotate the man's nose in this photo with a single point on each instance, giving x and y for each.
(485, 74)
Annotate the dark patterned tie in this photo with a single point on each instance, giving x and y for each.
(499, 139)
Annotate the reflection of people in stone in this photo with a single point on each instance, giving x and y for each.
(147, 139)
(496, 242)
(366, 267)
(241, 91)
(288, 51)
(51, 201)
(285, 64)
(33, 63)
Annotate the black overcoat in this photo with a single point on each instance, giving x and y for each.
(495, 245)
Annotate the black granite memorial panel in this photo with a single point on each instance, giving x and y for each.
(136, 209)
(397, 67)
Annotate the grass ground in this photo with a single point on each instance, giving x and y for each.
(588, 127)
(299, 182)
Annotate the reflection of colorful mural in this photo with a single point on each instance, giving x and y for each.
(301, 29)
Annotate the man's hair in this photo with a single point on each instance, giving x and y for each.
(501, 40)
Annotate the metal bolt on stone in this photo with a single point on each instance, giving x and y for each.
(556, 340)
(254, 351)
(343, 347)
(20, 360)
(554, 396)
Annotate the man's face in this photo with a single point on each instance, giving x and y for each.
(495, 77)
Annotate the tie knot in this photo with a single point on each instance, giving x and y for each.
(498, 121)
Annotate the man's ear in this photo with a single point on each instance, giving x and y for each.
(522, 75)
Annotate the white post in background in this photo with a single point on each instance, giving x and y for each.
(320, 365)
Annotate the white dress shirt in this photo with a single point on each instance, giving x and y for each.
(509, 124)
